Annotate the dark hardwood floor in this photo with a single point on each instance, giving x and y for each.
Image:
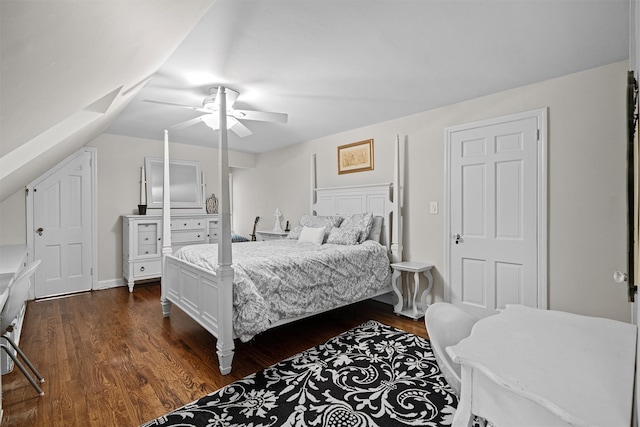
(110, 359)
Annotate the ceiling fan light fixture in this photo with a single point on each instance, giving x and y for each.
(210, 103)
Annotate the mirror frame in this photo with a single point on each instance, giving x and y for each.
(192, 187)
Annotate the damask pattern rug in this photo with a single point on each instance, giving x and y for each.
(372, 375)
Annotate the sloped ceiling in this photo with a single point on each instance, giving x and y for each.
(338, 65)
(71, 70)
(69, 67)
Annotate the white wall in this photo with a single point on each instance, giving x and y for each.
(587, 187)
(587, 222)
(119, 161)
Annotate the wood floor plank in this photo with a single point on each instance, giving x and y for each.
(110, 359)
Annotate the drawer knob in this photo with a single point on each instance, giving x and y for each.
(198, 236)
(142, 268)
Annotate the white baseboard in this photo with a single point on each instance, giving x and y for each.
(108, 284)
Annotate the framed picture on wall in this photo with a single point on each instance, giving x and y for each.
(355, 157)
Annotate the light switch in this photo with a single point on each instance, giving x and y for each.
(433, 208)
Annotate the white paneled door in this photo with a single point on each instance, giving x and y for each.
(62, 227)
(496, 234)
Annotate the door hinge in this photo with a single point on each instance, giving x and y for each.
(91, 271)
(538, 134)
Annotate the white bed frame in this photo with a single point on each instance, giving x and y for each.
(207, 296)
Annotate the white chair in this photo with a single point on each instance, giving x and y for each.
(447, 324)
(18, 291)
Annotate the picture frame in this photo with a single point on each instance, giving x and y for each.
(355, 157)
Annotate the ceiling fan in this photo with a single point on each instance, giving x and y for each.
(211, 106)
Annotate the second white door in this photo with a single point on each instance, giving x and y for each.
(496, 228)
(62, 227)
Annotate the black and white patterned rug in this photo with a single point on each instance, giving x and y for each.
(372, 375)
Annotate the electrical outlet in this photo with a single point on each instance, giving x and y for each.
(433, 208)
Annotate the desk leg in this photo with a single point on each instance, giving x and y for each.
(397, 274)
(423, 298)
(463, 417)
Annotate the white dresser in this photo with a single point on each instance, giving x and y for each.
(142, 241)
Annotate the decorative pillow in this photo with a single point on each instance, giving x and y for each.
(344, 236)
(314, 221)
(312, 235)
(360, 221)
(295, 232)
(376, 229)
(317, 221)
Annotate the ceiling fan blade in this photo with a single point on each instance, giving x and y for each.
(238, 128)
(262, 116)
(202, 110)
(188, 123)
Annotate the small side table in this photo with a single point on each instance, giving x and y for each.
(412, 305)
(272, 235)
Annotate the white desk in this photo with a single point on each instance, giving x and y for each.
(530, 367)
(12, 260)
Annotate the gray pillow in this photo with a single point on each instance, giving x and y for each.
(315, 221)
(362, 222)
(376, 229)
(344, 236)
(295, 232)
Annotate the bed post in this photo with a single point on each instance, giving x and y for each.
(312, 197)
(224, 271)
(396, 237)
(166, 226)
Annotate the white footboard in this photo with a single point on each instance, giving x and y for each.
(202, 296)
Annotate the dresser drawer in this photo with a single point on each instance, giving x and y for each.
(147, 268)
(182, 224)
(198, 223)
(195, 237)
(151, 227)
(151, 249)
(147, 237)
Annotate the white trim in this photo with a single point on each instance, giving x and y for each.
(93, 152)
(110, 284)
(541, 116)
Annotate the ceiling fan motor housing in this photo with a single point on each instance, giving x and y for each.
(211, 102)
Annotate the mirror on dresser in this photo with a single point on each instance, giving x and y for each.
(186, 184)
(190, 224)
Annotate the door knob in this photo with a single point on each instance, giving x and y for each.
(457, 238)
(39, 231)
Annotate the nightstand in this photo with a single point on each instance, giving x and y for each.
(412, 310)
(272, 235)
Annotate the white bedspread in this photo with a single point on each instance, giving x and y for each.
(280, 279)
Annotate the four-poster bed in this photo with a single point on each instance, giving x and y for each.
(205, 290)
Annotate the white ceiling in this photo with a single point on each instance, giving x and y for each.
(71, 70)
(335, 65)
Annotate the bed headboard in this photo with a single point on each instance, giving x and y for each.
(383, 200)
(343, 201)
